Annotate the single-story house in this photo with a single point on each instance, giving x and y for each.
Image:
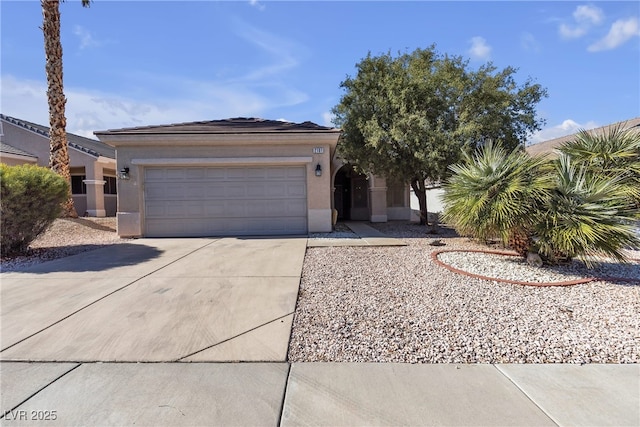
(550, 146)
(242, 176)
(92, 163)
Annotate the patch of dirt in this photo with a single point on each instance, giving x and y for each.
(66, 236)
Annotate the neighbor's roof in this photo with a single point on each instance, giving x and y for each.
(80, 143)
(10, 149)
(238, 125)
(551, 145)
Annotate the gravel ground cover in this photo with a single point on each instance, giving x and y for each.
(340, 232)
(394, 304)
(66, 237)
(517, 269)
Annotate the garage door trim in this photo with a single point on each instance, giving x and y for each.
(223, 161)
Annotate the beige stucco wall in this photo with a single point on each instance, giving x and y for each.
(93, 202)
(13, 160)
(257, 150)
(377, 209)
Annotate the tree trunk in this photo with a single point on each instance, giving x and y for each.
(420, 190)
(58, 146)
(520, 241)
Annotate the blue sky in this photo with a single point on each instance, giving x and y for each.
(132, 63)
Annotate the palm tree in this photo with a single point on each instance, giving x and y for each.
(614, 153)
(493, 194)
(58, 145)
(560, 209)
(585, 214)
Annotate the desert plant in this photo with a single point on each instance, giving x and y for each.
(561, 209)
(585, 214)
(614, 153)
(493, 194)
(31, 198)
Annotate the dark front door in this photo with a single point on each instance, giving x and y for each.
(351, 195)
(342, 195)
(359, 198)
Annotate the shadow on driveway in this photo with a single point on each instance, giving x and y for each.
(100, 259)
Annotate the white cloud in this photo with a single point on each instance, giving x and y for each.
(283, 53)
(479, 48)
(89, 110)
(589, 14)
(585, 17)
(262, 88)
(529, 43)
(257, 4)
(620, 31)
(327, 118)
(567, 127)
(86, 39)
(569, 32)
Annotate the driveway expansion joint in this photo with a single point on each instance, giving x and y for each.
(2, 415)
(530, 398)
(180, 359)
(104, 297)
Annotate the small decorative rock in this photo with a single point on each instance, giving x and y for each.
(394, 304)
(534, 260)
(437, 242)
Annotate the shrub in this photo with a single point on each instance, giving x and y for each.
(492, 194)
(585, 214)
(30, 200)
(561, 209)
(614, 154)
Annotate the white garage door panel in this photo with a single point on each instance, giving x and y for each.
(208, 201)
(224, 226)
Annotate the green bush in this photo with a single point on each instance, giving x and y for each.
(560, 209)
(30, 200)
(585, 214)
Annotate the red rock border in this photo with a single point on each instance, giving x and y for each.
(434, 256)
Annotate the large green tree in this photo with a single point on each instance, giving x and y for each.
(58, 145)
(411, 116)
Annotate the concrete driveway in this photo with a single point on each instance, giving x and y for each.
(155, 300)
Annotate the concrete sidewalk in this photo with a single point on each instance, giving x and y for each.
(322, 394)
(365, 236)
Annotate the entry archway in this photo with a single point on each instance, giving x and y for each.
(351, 194)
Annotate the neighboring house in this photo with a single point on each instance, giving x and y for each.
(92, 163)
(435, 205)
(550, 146)
(13, 156)
(241, 176)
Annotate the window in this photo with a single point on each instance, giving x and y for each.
(110, 185)
(395, 195)
(77, 184)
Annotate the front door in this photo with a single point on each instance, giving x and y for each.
(359, 198)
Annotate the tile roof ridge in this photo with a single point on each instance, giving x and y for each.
(10, 149)
(44, 131)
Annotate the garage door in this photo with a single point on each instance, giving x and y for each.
(223, 201)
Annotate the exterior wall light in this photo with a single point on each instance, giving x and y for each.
(318, 170)
(124, 173)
